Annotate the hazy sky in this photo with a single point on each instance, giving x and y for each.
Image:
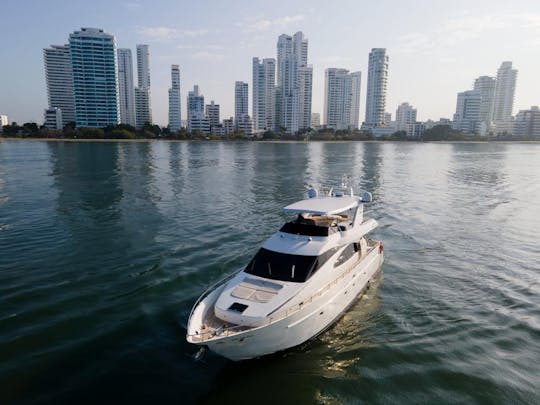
(436, 48)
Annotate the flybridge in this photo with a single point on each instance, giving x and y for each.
(334, 202)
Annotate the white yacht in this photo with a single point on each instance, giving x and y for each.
(299, 283)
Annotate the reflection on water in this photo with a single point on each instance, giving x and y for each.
(105, 247)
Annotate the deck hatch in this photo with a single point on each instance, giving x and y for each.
(237, 307)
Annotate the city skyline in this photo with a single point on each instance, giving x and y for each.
(433, 55)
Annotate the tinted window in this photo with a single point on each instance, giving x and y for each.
(346, 254)
(304, 229)
(282, 266)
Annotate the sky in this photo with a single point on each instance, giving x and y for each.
(436, 48)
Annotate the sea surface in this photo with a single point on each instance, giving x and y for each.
(105, 246)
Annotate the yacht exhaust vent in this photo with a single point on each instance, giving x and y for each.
(237, 307)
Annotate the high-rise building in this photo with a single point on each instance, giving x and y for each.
(95, 78)
(315, 121)
(126, 87)
(305, 85)
(242, 121)
(52, 118)
(3, 121)
(264, 82)
(486, 86)
(467, 116)
(376, 87)
(59, 79)
(212, 114)
(294, 83)
(504, 97)
(405, 118)
(387, 119)
(240, 100)
(174, 100)
(527, 124)
(355, 99)
(195, 112)
(143, 105)
(143, 66)
(337, 98)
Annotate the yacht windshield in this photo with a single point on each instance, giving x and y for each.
(282, 266)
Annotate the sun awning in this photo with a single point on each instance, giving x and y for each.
(322, 205)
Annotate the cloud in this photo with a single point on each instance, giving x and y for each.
(169, 33)
(464, 28)
(261, 25)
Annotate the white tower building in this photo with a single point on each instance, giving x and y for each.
(126, 87)
(405, 118)
(294, 83)
(143, 103)
(337, 98)
(486, 86)
(59, 79)
(341, 98)
(376, 87)
(355, 99)
(504, 97)
(175, 122)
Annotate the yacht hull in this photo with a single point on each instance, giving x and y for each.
(302, 325)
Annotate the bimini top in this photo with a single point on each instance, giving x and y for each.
(323, 205)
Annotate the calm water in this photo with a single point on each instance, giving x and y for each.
(104, 247)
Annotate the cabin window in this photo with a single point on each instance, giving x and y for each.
(346, 254)
(307, 229)
(286, 267)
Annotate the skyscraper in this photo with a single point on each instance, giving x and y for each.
(174, 100)
(195, 112)
(143, 109)
(486, 86)
(264, 82)
(341, 98)
(294, 83)
(242, 121)
(304, 80)
(337, 98)
(59, 79)
(126, 87)
(95, 78)
(305, 85)
(504, 97)
(376, 87)
(467, 116)
(286, 95)
(355, 99)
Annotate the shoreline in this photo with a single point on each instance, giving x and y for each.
(270, 141)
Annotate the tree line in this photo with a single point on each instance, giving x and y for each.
(153, 131)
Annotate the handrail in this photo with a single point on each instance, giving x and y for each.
(212, 287)
(282, 314)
